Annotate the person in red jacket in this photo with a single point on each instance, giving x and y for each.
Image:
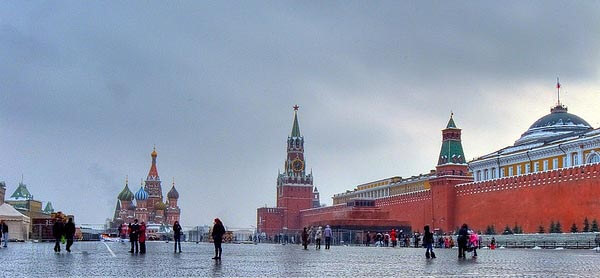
(393, 238)
(142, 238)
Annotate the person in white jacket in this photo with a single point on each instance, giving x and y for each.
(318, 236)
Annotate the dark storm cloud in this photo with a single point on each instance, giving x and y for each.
(88, 88)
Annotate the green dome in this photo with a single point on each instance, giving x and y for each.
(126, 194)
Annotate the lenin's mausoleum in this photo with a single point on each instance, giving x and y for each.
(550, 174)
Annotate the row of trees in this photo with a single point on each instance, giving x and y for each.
(555, 227)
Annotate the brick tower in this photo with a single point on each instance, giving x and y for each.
(154, 189)
(452, 169)
(294, 185)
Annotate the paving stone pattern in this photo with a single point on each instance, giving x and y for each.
(95, 259)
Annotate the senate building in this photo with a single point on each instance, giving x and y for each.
(551, 173)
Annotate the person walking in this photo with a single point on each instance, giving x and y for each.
(177, 235)
(4, 231)
(218, 231)
(142, 238)
(428, 242)
(134, 230)
(328, 233)
(463, 237)
(493, 243)
(69, 233)
(393, 238)
(368, 239)
(305, 239)
(318, 236)
(473, 243)
(58, 230)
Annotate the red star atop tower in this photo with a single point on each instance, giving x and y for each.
(296, 107)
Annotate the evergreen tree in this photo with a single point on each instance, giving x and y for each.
(488, 230)
(574, 228)
(494, 230)
(586, 225)
(541, 229)
(516, 229)
(594, 226)
(507, 231)
(558, 227)
(552, 227)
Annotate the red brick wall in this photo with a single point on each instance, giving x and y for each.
(414, 208)
(565, 195)
(269, 220)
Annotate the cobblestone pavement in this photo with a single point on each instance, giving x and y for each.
(97, 259)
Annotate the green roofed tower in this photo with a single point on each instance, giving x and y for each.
(21, 193)
(48, 209)
(451, 160)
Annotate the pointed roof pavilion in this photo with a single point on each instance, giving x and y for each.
(296, 127)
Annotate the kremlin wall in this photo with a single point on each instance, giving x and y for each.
(550, 174)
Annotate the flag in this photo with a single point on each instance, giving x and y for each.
(557, 84)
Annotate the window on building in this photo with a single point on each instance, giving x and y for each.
(555, 163)
(478, 176)
(518, 169)
(527, 168)
(564, 160)
(536, 166)
(545, 165)
(493, 173)
(485, 174)
(575, 159)
(502, 174)
(510, 171)
(593, 158)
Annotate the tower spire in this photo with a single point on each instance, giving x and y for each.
(558, 91)
(296, 127)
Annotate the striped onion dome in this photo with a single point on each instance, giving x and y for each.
(141, 194)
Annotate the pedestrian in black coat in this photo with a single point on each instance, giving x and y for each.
(58, 230)
(177, 235)
(134, 230)
(463, 238)
(218, 231)
(69, 233)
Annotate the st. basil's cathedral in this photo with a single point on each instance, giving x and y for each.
(149, 206)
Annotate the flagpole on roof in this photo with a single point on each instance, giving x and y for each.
(558, 89)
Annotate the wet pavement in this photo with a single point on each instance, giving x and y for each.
(112, 259)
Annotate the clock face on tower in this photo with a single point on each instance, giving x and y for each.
(297, 165)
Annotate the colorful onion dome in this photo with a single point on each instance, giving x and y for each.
(141, 194)
(154, 153)
(173, 194)
(126, 194)
(160, 206)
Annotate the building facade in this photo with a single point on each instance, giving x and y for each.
(550, 174)
(147, 203)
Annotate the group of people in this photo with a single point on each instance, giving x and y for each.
(137, 237)
(468, 240)
(392, 238)
(3, 234)
(63, 233)
(319, 235)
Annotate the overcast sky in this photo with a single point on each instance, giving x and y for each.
(86, 90)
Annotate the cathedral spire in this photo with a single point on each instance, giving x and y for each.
(153, 173)
(295, 127)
